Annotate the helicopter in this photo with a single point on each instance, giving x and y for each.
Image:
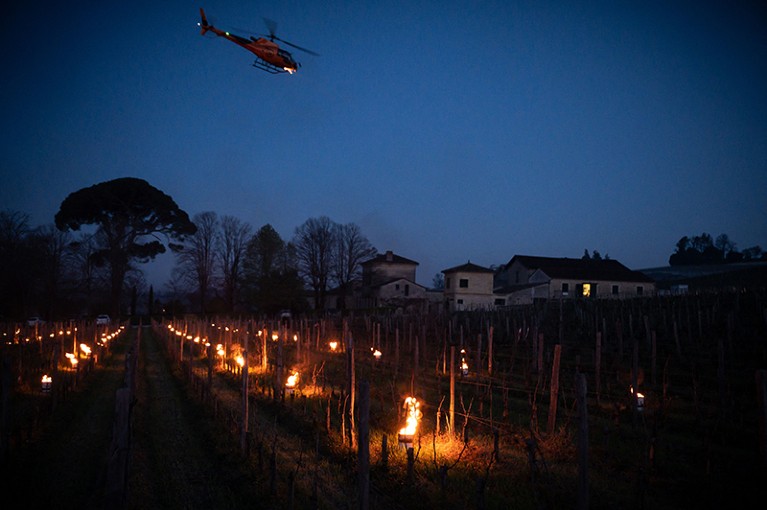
(269, 56)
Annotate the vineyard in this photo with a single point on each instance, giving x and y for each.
(647, 403)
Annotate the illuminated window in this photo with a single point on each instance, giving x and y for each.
(586, 290)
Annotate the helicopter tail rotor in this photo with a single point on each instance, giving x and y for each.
(204, 26)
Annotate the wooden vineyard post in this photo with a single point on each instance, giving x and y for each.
(554, 393)
(396, 350)
(478, 361)
(181, 349)
(264, 357)
(647, 330)
(351, 387)
(416, 355)
(761, 404)
(490, 351)
(451, 421)
(598, 364)
(384, 453)
(209, 380)
(298, 344)
(654, 356)
(583, 443)
(410, 465)
(635, 379)
(244, 410)
(363, 449)
(279, 378)
(6, 376)
(619, 334)
(117, 469)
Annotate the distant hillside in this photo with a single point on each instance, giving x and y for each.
(713, 276)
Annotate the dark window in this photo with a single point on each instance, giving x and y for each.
(640, 290)
(407, 289)
(565, 289)
(464, 283)
(447, 283)
(500, 302)
(615, 290)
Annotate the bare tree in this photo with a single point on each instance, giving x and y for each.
(351, 249)
(14, 227)
(196, 262)
(52, 246)
(724, 244)
(314, 242)
(234, 241)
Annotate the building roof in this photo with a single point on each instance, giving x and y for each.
(468, 267)
(388, 258)
(581, 269)
(395, 280)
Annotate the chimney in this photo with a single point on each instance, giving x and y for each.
(389, 256)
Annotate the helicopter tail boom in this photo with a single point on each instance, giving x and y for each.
(204, 26)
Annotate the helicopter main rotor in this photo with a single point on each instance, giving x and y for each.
(271, 25)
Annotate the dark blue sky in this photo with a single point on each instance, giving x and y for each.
(447, 130)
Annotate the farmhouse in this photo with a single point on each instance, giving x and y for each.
(389, 280)
(527, 278)
(468, 287)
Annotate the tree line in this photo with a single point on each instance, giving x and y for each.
(703, 249)
(89, 260)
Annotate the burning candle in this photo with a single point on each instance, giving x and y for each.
(290, 384)
(639, 400)
(407, 433)
(46, 383)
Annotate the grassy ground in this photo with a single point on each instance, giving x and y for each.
(690, 447)
(58, 456)
(177, 459)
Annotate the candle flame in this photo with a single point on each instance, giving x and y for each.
(413, 416)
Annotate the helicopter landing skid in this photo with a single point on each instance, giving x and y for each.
(269, 68)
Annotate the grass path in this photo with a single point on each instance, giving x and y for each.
(177, 461)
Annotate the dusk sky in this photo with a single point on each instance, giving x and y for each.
(448, 131)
